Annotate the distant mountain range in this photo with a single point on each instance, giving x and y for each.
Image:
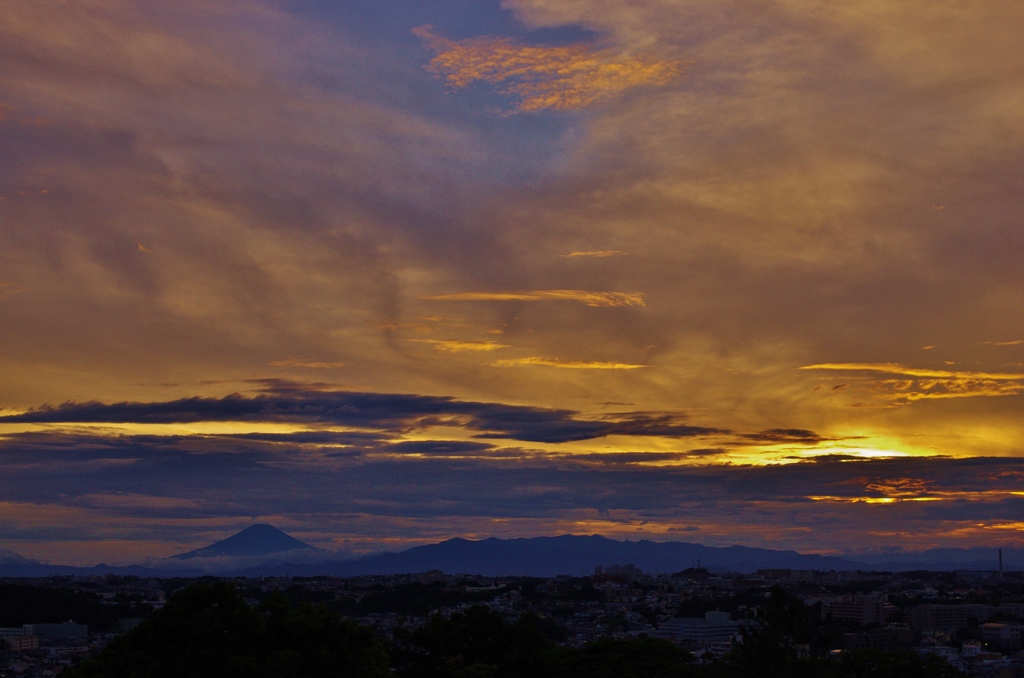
(550, 556)
(263, 550)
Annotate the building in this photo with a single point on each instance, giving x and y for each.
(22, 643)
(68, 629)
(713, 627)
(1004, 636)
(970, 648)
(858, 610)
(879, 639)
(932, 616)
(630, 571)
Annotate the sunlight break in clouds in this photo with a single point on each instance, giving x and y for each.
(583, 296)
(559, 78)
(567, 364)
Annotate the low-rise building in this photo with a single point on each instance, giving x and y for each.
(68, 629)
(860, 610)
(879, 639)
(22, 643)
(932, 616)
(1003, 636)
(713, 627)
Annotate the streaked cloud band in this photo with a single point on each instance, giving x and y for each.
(583, 296)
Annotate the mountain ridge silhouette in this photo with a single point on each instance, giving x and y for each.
(260, 539)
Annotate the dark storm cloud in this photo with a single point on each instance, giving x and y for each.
(444, 447)
(321, 437)
(707, 452)
(370, 410)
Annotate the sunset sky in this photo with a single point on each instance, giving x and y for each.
(384, 273)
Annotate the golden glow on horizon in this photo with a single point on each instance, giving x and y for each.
(663, 451)
(203, 428)
(857, 451)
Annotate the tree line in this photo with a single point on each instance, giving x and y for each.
(208, 630)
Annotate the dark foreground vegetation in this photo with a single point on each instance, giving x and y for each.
(210, 630)
(19, 604)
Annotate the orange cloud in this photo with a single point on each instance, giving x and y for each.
(896, 368)
(597, 254)
(559, 78)
(454, 346)
(308, 364)
(133, 500)
(922, 384)
(566, 364)
(10, 288)
(583, 296)
(1017, 342)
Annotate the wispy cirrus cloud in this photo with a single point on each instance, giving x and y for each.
(927, 383)
(308, 364)
(896, 368)
(566, 364)
(586, 297)
(597, 254)
(541, 77)
(456, 346)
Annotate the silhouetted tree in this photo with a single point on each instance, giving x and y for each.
(211, 631)
(779, 642)
(608, 658)
(891, 664)
(478, 643)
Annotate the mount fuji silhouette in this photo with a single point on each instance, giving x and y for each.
(257, 540)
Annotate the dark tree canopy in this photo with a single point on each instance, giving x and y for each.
(648, 657)
(477, 643)
(22, 604)
(211, 631)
